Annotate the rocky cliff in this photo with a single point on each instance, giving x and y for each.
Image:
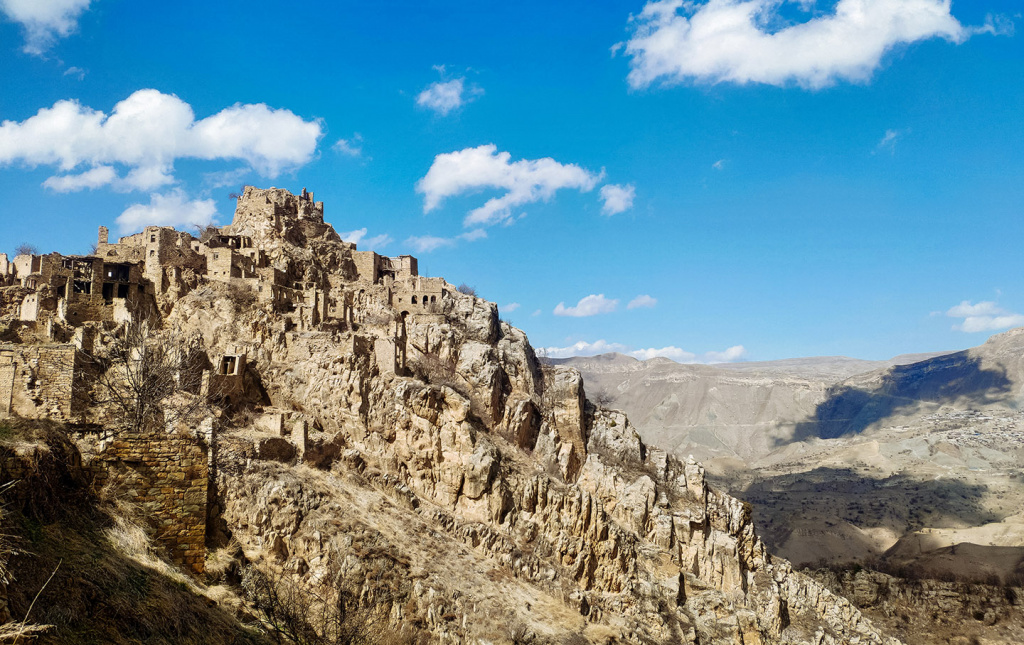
(482, 489)
(393, 451)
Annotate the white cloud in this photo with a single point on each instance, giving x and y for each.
(719, 165)
(583, 348)
(169, 209)
(740, 41)
(525, 181)
(44, 21)
(672, 352)
(730, 355)
(98, 176)
(617, 199)
(147, 132)
(77, 72)
(642, 302)
(588, 306)
(350, 147)
(984, 316)
(509, 308)
(536, 313)
(359, 238)
(444, 96)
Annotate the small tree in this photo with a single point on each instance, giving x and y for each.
(26, 249)
(149, 379)
(466, 289)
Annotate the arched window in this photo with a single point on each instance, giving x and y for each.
(414, 300)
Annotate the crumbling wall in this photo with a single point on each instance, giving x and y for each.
(167, 476)
(38, 381)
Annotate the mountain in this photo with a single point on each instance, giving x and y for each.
(851, 461)
(330, 448)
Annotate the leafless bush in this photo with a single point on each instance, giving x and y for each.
(150, 379)
(26, 249)
(294, 613)
(602, 398)
(466, 289)
(240, 296)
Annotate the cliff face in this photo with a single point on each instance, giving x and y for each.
(388, 456)
(465, 489)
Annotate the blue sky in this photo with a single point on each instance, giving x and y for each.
(706, 181)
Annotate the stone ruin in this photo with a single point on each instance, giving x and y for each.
(54, 307)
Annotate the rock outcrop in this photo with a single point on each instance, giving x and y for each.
(399, 448)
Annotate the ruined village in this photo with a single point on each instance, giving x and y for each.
(284, 415)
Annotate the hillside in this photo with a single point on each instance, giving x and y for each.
(351, 452)
(901, 462)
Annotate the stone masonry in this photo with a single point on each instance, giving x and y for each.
(167, 477)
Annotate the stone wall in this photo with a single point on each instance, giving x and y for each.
(167, 476)
(37, 381)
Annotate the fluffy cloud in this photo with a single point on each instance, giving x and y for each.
(588, 306)
(730, 355)
(170, 209)
(748, 41)
(366, 243)
(617, 199)
(146, 133)
(444, 96)
(642, 302)
(583, 348)
(44, 20)
(984, 316)
(509, 308)
(525, 181)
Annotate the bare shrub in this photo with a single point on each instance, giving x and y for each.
(26, 249)
(240, 296)
(466, 289)
(150, 379)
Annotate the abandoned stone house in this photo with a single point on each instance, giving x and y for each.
(143, 274)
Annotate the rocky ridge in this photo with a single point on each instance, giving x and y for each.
(443, 481)
(482, 447)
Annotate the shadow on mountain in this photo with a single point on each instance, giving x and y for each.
(824, 498)
(953, 377)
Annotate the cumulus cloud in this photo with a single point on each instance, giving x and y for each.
(588, 306)
(642, 302)
(170, 209)
(44, 21)
(359, 238)
(983, 316)
(617, 199)
(444, 96)
(524, 181)
(146, 133)
(747, 41)
(98, 176)
(583, 348)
